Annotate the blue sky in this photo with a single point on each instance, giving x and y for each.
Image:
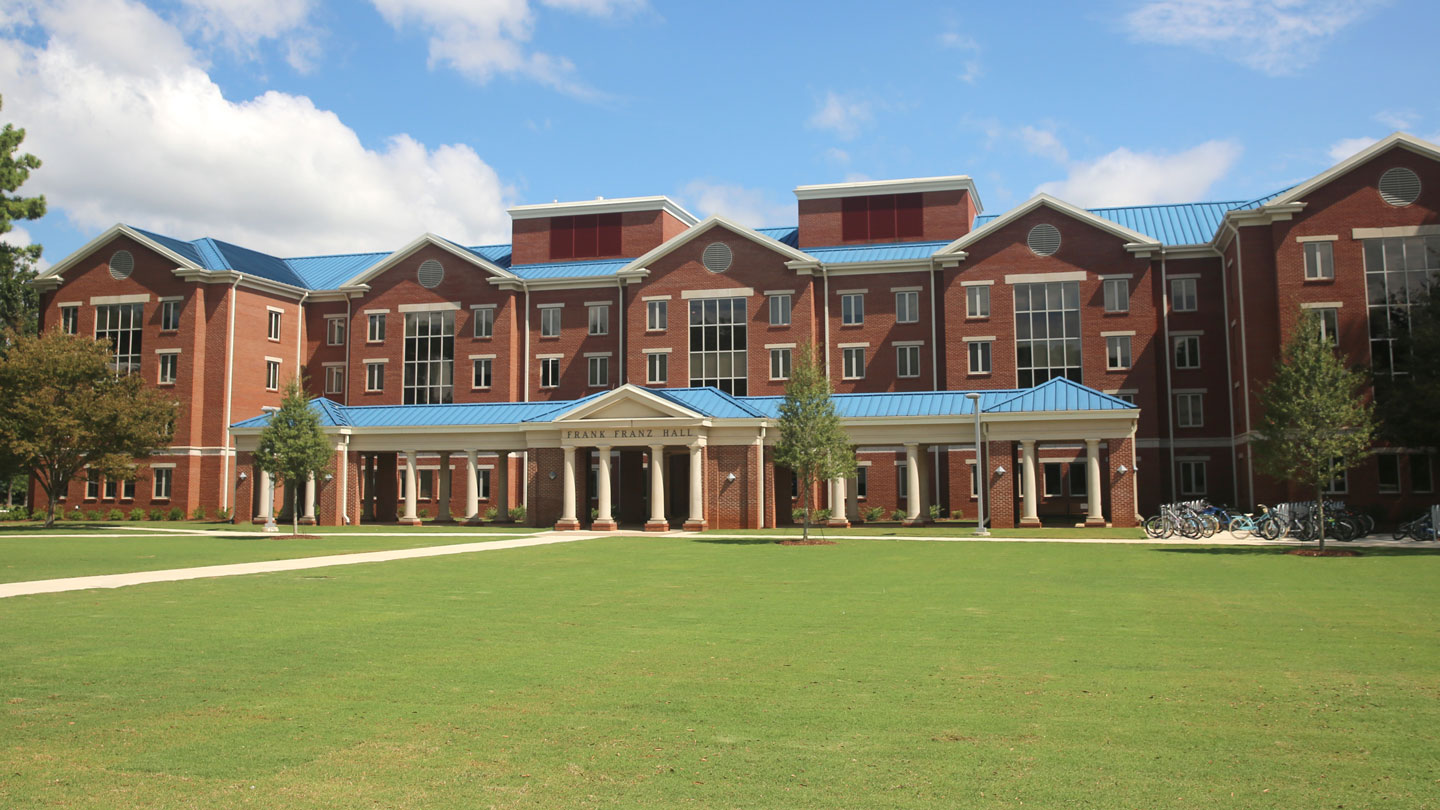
(308, 126)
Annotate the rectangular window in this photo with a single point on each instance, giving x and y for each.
(718, 344)
(334, 331)
(1051, 480)
(1389, 479)
(1398, 275)
(127, 490)
(164, 477)
(170, 316)
(1129, 399)
(483, 319)
(902, 489)
(1339, 481)
(977, 301)
(974, 480)
(272, 375)
(780, 364)
(1192, 478)
(425, 484)
(907, 307)
(907, 361)
(110, 490)
(657, 315)
(70, 320)
(1182, 295)
(657, 368)
(584, 237)
(376, 331)
(429, 358)
(1117, 352)
(374, 377)
(600, 319)
(1117, 295)
(1047, 332)
(852, 309)
(334, 379)
(779, 310)
(482, 480)
(120, 324)
(482, 367)
(979, 357)
(881, 216)
(599, 371)
(1189, 410)
(861, 483)
(1319, 261)
(1079, 481)
(274, 330)
(1187, 351)
(549, 372)
(169, 366)
(1329, 324)
(92, 485)
(854, 363)
(550, 322)
(1420, 478)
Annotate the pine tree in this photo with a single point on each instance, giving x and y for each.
(292, 446)
(18, 301)
(813, 444)
(1317, 420)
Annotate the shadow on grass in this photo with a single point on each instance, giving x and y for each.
(1285, 550)
(763, 540)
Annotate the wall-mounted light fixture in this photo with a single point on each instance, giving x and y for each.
(329, 477)
(730, 478)
(1000, 470)
(552, 475)
(243, 476)
(1122, 469)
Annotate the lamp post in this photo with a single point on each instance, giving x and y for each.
(981, 490)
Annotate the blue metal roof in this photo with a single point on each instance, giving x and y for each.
(1175, 224)
(1056, 395)
(329, 272)
(495, 254)
(185, 249)
(887, 252)
(332, 414)
(255, 263)
(711, 402)
(587, 267)
(788, 235)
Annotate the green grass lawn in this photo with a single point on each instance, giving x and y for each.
(74, 527)
(26, 558)
(665, 672)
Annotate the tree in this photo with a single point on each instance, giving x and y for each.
(63, 409)
(1406, 403)
(812, 442)
(1317, 420)
(292, 446)
(18, 301)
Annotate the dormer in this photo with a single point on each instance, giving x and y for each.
(922, 209)
(594, 229)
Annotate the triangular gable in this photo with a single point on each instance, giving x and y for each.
(627, 402)
(684, 238)
(1133, 239)
(1059, 395)
(70, 261)
(1398, 139)
(427, 239)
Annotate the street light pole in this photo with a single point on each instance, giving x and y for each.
(981, 490)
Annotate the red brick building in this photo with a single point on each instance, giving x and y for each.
(457, 379)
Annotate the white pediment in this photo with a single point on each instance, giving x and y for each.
(627, 402)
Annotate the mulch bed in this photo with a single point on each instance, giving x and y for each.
(298, 537)
(1329, 552)
(814, 541)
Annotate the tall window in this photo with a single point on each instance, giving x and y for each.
(335, 331)
(1189, 410)
(599, 371)
(600, 319)
(120, 324)
(780, 310)
(977, 301)
(376, 330)
(657, 315)
(979, 356)
(657, 368)
(164, 477)
(1187, 351)
(881, 216)
(1192, 478)
(1117, 295)
(272, 375)
(1329, 324)
(273, 332)
(374, 377)
(429, 357)
(1079, 481)
(550, 322)
(852, 309)
(170, 316)
(483, 319)
(1398, 273)
(549, 372)
(1420, 473)
(854, 363)
(334, 379)
(1389, 469)
(92, 485)
(861, 482)
(70, 320)
(1047, 332)
(169, 368)
(718, 344)
(907, 361)
(1319, 261)
(482, 370)
(1117, 352)
(907, 307)
(1183, 297)
(780, 360)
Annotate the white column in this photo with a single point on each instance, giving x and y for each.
(923, 453)
(567, 497)
(442, 509)
(912, 482)
(472, 486)
(1092, 481)
(657, 483)
(309, 513)
(1027, 481)
(409, 515)
(697, 485)
(602, 485)
(367, 479)
(267, 496)
(837, 498)
(500, 485)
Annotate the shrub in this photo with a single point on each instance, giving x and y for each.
(875, 514)
(936, 511)
(594, 514)
(820, 516)
(115, 514)
(177, 513)
(517, 514)
(222, 514)
(798, 515)
(423, 513)
(898, 514)
(956, 514)
(491, 513)
(94, 514)
(137, 514)
(157, 514)
(38, 514)
(198, 514)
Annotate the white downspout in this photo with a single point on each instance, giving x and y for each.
(525, 389)
(345, 471)
(825, 272)
(760, 477)
(229, 387)
(934, 345)
(1229, 377)
(620, 324)
(1169, 383)
(300, 336)
(349, 326)
(1244, 361)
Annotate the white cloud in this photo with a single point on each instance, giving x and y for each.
(1124, 177)
(166, 150)
(245, 22)
(970, 67)
(19, 237)
(1276, 37)
(1345, 147)
(482, 39)
(837, 156)
(842, 115)
(1398, 119)
(747, 206)
(1045, 143)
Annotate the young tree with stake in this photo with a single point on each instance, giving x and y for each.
(293, 448)
(812, 442)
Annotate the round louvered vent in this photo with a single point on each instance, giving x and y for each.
(1044, 239)
(122, 264)
(1399, 186)
(717, 257)
(430, 274)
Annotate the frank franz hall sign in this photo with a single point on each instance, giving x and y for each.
(632, 433)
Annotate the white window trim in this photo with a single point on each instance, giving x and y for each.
(599, 354)
(778, 292)
(979, 339)
(852, 292)
(1175, 276)
(649, 298)
(484, 306)
(1118, 277)
(1327, 238)
(907, 289)
(732, 292)
(376, 311)
(482, 357)
(64, 304)
(168, 351)
(137, 298)
(986, 283)
(609, 303)
(852, 345)
(436, 306)
(1036, 278)
(1129, 333)
(899, 343)
(370, 360)
(280, 310)
(549, 356)
(1188, 333)
(1322, 305)
(666, 350)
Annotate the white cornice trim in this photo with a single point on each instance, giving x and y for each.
(700, 229)
(618, 205)
(1136, 242)
(421, 241)
(55, 270)
(1403, 140)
